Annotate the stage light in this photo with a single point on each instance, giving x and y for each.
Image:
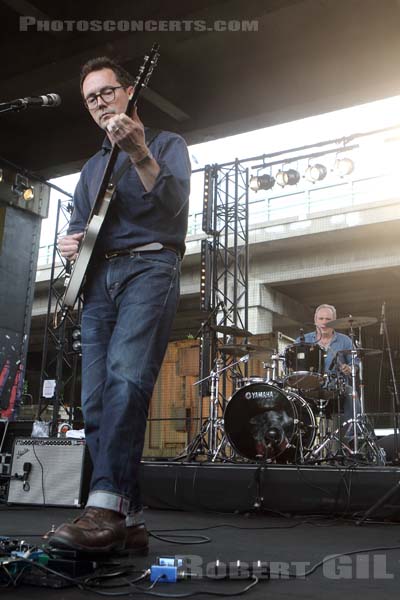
(76, 339)
(1, 175)
(28, 194)
(261, 182)
(289, 177)
(208, 203)
(344, 166)
(205, 275)
(316, 173)
(22, 188)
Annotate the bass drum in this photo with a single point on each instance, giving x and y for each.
(263, 422)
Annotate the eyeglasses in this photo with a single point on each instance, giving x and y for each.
(107, 94)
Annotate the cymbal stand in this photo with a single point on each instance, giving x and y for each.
(354, 388)
(215, 425)
(359, 424)
(335, 447)
(209, 440)
(361, 375)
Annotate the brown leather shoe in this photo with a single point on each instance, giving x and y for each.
(137, 540)
(96, 530)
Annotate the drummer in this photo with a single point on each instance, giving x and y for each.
(332, 343)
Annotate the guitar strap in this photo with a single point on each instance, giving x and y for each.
(150, 135)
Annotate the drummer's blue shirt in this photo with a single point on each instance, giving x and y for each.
(340, 341)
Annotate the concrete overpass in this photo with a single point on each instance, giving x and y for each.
(349, 257)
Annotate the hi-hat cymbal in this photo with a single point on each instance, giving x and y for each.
(362, 352)
(350, 321)
(231, 330)
(242, 349)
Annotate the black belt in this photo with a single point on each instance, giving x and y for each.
(153, 247)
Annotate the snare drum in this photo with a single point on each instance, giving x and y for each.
(304, 366)
(263, 422)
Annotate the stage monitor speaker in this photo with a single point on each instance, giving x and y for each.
(49, 471)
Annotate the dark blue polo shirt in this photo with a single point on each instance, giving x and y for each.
(136, 217)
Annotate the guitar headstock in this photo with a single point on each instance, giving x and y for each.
(146, 70)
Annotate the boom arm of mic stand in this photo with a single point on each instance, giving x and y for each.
(241, 360)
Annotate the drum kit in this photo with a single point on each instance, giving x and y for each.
(293, 413)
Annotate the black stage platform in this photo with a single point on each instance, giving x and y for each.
(291, 545)
(292, 517)
(317, 489)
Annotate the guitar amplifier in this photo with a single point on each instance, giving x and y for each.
(49, 471)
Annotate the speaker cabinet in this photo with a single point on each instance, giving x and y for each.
(49, 471)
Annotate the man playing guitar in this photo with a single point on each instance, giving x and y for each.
(130, 293)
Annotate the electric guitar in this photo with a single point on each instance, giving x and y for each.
(75, 279)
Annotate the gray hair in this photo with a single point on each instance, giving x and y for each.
(332, 308)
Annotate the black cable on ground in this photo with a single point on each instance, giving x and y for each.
(80, 583)
(202, 539)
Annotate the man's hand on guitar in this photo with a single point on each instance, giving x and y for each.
(69, 245)
(128, 133)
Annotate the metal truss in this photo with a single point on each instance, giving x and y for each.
(224, 266)
(230, 244)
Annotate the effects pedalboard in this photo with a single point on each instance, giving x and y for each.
(48, 567)
(16, 556)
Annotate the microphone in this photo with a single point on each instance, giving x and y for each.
(27, 469)
(49, 100)
(382, 318)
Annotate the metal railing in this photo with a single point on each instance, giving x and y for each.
(299, 204)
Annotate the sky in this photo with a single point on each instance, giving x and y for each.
(333, 125)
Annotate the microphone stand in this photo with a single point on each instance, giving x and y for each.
(395, 394)
(395, 399)
(352, 336)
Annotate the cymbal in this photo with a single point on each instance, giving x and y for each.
(350, 321)
(231, 330)
(362, 352)
(242, 349)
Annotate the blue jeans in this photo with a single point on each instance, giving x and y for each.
(129, 306)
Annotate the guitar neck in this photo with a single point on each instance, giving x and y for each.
(103, 197)
(113, 157)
